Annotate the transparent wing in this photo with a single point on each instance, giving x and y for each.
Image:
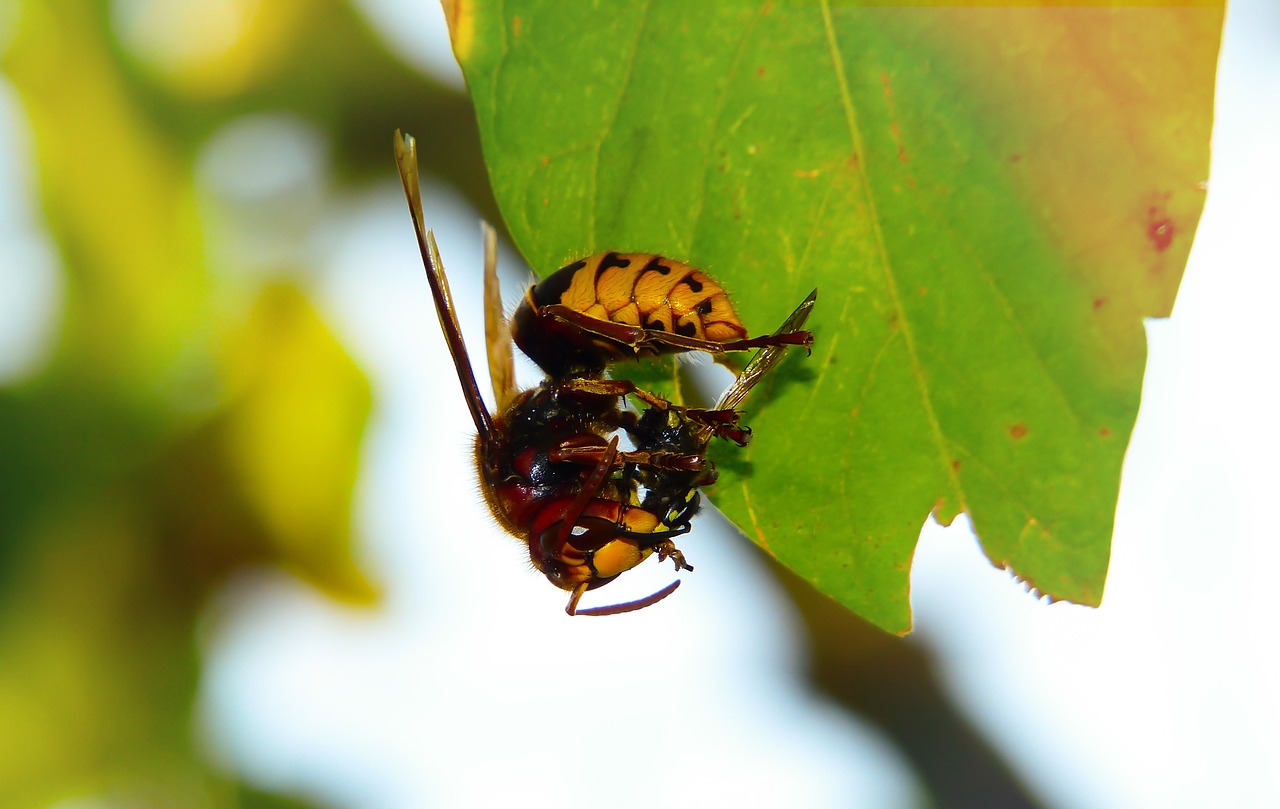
(765, 358)
(407, 160)
(497, 332)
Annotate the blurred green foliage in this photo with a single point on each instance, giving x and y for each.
(194, 419)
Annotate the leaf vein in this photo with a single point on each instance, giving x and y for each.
(855, 135)
(1009, 314)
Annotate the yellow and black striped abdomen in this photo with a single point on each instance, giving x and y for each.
(646, 290)
(564, 322)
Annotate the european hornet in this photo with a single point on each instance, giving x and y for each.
(549, 462)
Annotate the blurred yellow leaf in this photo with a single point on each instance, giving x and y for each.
(297, 401)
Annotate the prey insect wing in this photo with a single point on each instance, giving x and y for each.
(765, 358)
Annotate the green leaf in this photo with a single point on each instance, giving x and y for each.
(990, 200)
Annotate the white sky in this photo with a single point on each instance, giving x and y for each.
(469, 687)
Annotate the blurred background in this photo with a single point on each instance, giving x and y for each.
(244, 563)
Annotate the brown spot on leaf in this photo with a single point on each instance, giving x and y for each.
(760, 71)
(955, 466)
(923, 290)
(1105, 432)
(1160, 227)
(1161, 232)
(1016, 158)
(1098, 303)
(516, 25)
(1018, 431)
(897, 138)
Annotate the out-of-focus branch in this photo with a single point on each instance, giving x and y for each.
(890, 682)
